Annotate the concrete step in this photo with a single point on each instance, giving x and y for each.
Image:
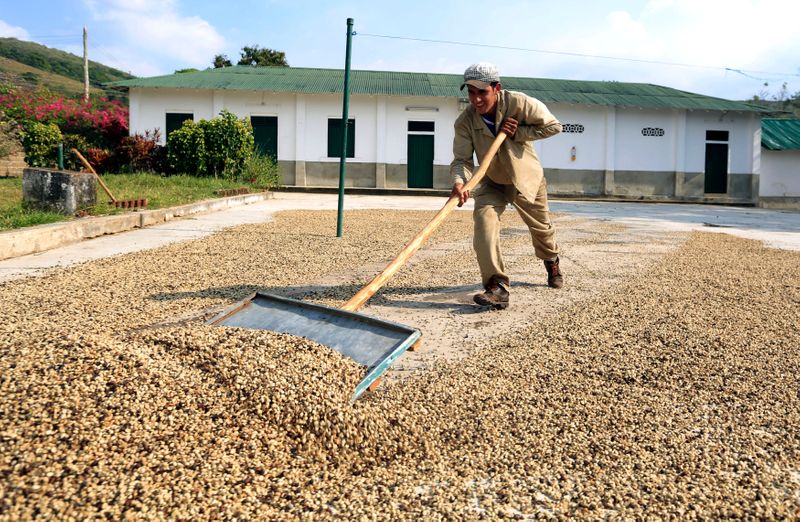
(31, 240)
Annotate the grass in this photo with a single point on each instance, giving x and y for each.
(13, 214)
(161, 192)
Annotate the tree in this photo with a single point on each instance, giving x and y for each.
(255, 55)
(221, 60)
(781, 101)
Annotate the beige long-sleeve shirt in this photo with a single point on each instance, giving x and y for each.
(516, 162)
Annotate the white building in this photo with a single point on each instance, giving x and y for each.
(620, 139)
(779, 185)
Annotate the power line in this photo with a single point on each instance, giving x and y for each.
(56, 36)
(55, 39)
(743, 72)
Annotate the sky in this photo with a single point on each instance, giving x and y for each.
(732, 49)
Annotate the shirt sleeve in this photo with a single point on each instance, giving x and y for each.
(536, 122)
(462, 165)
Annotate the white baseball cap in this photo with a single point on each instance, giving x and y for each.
(481, 75)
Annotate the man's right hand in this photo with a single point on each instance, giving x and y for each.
(458, 190)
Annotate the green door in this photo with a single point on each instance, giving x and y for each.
(420, 161)
(265, 134)
(716, 168)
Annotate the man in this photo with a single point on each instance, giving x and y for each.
(514, 176)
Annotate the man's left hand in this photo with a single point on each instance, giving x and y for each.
(510, 126)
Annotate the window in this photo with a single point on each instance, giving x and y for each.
(572, 127)
(175, 121)
(265, 135)
(652, 131)
(335, 138)
(714, 135)
(420, 126)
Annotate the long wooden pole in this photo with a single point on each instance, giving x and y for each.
(363, 295)
(89, 166)
(85, 68)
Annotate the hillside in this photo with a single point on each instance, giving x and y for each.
(58, 62)
(17, 73)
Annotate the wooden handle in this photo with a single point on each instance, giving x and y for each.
(363, 295)
(89, 166)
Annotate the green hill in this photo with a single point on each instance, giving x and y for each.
(33, 64)
(20, 74)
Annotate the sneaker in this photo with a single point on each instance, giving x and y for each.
(555, 279)
(496, 296)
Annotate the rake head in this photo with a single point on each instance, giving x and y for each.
(131, 203)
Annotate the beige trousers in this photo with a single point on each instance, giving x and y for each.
(491, 200)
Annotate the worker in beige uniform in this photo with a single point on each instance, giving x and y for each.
(514, 176)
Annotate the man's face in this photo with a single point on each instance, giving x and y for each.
(483, 100)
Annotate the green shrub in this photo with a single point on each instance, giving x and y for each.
(140, 153)
(99, 159)
(74, 141)
(228, 144)
(216, 147)
(40, 142)
(186, 151)
(262, 171)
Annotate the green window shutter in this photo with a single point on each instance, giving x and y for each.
(175, 121)
(265, 135)
(335, 137)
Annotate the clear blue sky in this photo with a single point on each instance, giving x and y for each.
(523, 38)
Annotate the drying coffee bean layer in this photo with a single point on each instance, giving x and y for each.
(673, 394)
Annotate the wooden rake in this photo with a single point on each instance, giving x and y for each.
(128, 203)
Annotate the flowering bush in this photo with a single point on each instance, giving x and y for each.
(101, 122)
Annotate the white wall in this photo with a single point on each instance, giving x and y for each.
(740, 145)
(780, 173)
(148, 107)
(555, 152)
(612, 138)
(399, 111)
(303, 119)
(251, 103)
(634, 151)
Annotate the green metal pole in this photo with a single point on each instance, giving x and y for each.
(60, 156)
(345, 107)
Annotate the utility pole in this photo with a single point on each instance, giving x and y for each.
(85, 68)
(345, 105)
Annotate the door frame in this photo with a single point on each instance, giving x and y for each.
(420, 127)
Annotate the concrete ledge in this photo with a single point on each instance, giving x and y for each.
(153, 217)
(780, 203)
(551, 195)
(30, 240)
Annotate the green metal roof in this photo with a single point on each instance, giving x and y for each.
(328, 81)
(780, 134)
